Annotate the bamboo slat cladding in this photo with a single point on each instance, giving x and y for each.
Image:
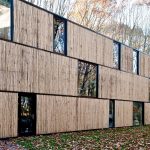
(56, 114)
(144, 65)
(29, 70)
(114, 84)
(32, 26)
(147, 113)
(123, 113)
(89, 46)
(8, 115)
(126, 59)
(92, 114)
(61, 114)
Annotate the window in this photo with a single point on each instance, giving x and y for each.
(27, 114)
(60, 37)
(135, 61)
(138, 113)
(5, 19)
(111, 113)
(116, 55)
(87, 79)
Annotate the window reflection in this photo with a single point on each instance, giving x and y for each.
(87, 79)
(59, 35)
(5, 29)
(116, 53)
(111, 113)
(135, 62)
(27, 115)
(138, 113)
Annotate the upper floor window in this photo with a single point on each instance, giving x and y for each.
(135, 61)
(116, 55)
(87, 79)
(5, 19)
(138, 113)
(60, 36)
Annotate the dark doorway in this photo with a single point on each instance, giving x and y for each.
(27, 114)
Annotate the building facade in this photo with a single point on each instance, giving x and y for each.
(57, 76)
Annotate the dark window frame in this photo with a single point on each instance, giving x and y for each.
(119, 54)
(11, 21)
(34, 96)
(65, 32)
(138, 61)
(97, 79)
(143, 111)
(113, 101)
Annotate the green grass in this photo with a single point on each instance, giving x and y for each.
(117, 138)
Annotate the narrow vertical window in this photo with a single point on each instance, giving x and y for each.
(27, 114)
(116, 55)
(5, 19)
(135, 61)
(111, 113)
(138, 113)
(87, 79)
(60, 36)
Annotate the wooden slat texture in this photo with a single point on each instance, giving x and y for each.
(146, 113)
(89, 46)
(55, 114)
(61, 114)
(123, 113)
(32, 26)
(29, 70)
(144, 65)
(115, 84)
(8, 115)
(93, 114)
(126, 59)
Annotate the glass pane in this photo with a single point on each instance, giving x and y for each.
(27, 115)
(135, 62)
(59, 35)
(5, 18)
(87, 79)
(111, 113)
(116, 48)
(137, 113)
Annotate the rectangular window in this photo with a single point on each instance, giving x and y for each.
(87, 79)
(111, 113)
(116, 55)
(135, 62)
(5, 19)
(60, 36)
(27, 114)
(138, 113)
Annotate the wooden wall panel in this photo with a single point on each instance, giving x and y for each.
(144, 65)
(29, 70)
(146, 113)
(45, 30)
(115, 84)
(61, 114)
(123, 113)
(93, 114)
(126, 58)
(55, 114)
(32, 26)
(89, 46)
(8, 115)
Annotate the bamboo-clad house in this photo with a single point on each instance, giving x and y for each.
(58, 76)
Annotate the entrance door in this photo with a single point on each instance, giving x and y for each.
(27, 114)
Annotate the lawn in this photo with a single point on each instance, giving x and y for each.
(133, 138)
